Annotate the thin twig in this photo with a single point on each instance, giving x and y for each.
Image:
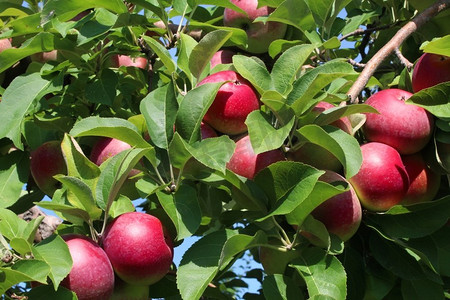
(361, 31)
(395, 42)
(403, 59)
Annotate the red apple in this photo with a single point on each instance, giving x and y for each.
(47, 161)
(91, 276)
(5, 44)
(234, 101)
(275, 261)
(223, 56)
(424, 183)
(44, 57)
(430, 69)
(138, 249)
(382, 180)
(259, 34)
(246, 163)
(207, 131)
(406, 127)
(342, 213)
(128, 61)
(342, 123)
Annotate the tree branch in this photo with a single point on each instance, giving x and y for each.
(394, 43)
(46, 227)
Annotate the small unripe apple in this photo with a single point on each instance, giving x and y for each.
(430, 69)
(382, 180)
(223, 56)
(341, 214)
(235, 99)
(406, 127)
(259, 34)
(91, 276)
(246, 163)
(424, 183)
(128, 61)
(138, 248)
(47, 161)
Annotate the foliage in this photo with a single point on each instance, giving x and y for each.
(82, 96)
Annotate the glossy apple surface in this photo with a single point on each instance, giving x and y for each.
(223, 56)
(92, 276)
(382, 180)
(207, 131)
(406, 127)
(138, 249)
(259, 35)
(424, 183)
(342, 213)
(47, 161)
(246, 163)
(127, 61)
(430, 69)
(234, 101)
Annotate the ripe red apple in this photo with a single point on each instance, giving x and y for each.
(128, 61)
(47, 161)
(406, 127)
(234, 101)
(342, 213)
(430, 69)
(259, 34)
(246, 163)
(223, 56)
(275, 261)
(424, 183)
(44, 57)
(92, 276)
(382, 180)
(207, 131)
(5, 44)
(138, 248)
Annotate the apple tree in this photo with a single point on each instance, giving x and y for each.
(309, 139)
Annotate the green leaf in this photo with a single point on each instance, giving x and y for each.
(120, 206)
(23, 271)
(335, 113)
(43, 292)
(162, 53)
(196, 269)
(14, 171)
(281, 287)
(80, 195)
(287, 184)
(16, 102)
(295, 13)
(55, 252)
(66, 209)
(413, 221)
(324, 274)
(102, 90)
(342, 145)
(288, 65)
(187, 43)
(320, 10)
(203, 52)
(183, 209)
(178, 152)
(238, 38)
(321, 192)
(21, 245)
(159, 108)
(263, 136)
(11, 225)
(434, 99)
(239, 243)
(421, 289)
(439, 46)
(192, 108)
(254, 70)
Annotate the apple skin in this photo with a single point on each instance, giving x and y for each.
(406, 127)
(424, 183)
(92, 276)
(138, 249)
(47, 161)
(234, 101)
(44, 57)
(127, 61)
(207, 131)
(223, 56)
(382, 180)
(259, 35)
(430, 69)
(5, 44)
(246, 163)
(342, 213)
(275, 261)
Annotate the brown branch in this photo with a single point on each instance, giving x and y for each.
(195, 34)
(396, 41)
(47, 226)
(361, 31)
(403, 59)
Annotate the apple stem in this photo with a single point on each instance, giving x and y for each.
(394, 43)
